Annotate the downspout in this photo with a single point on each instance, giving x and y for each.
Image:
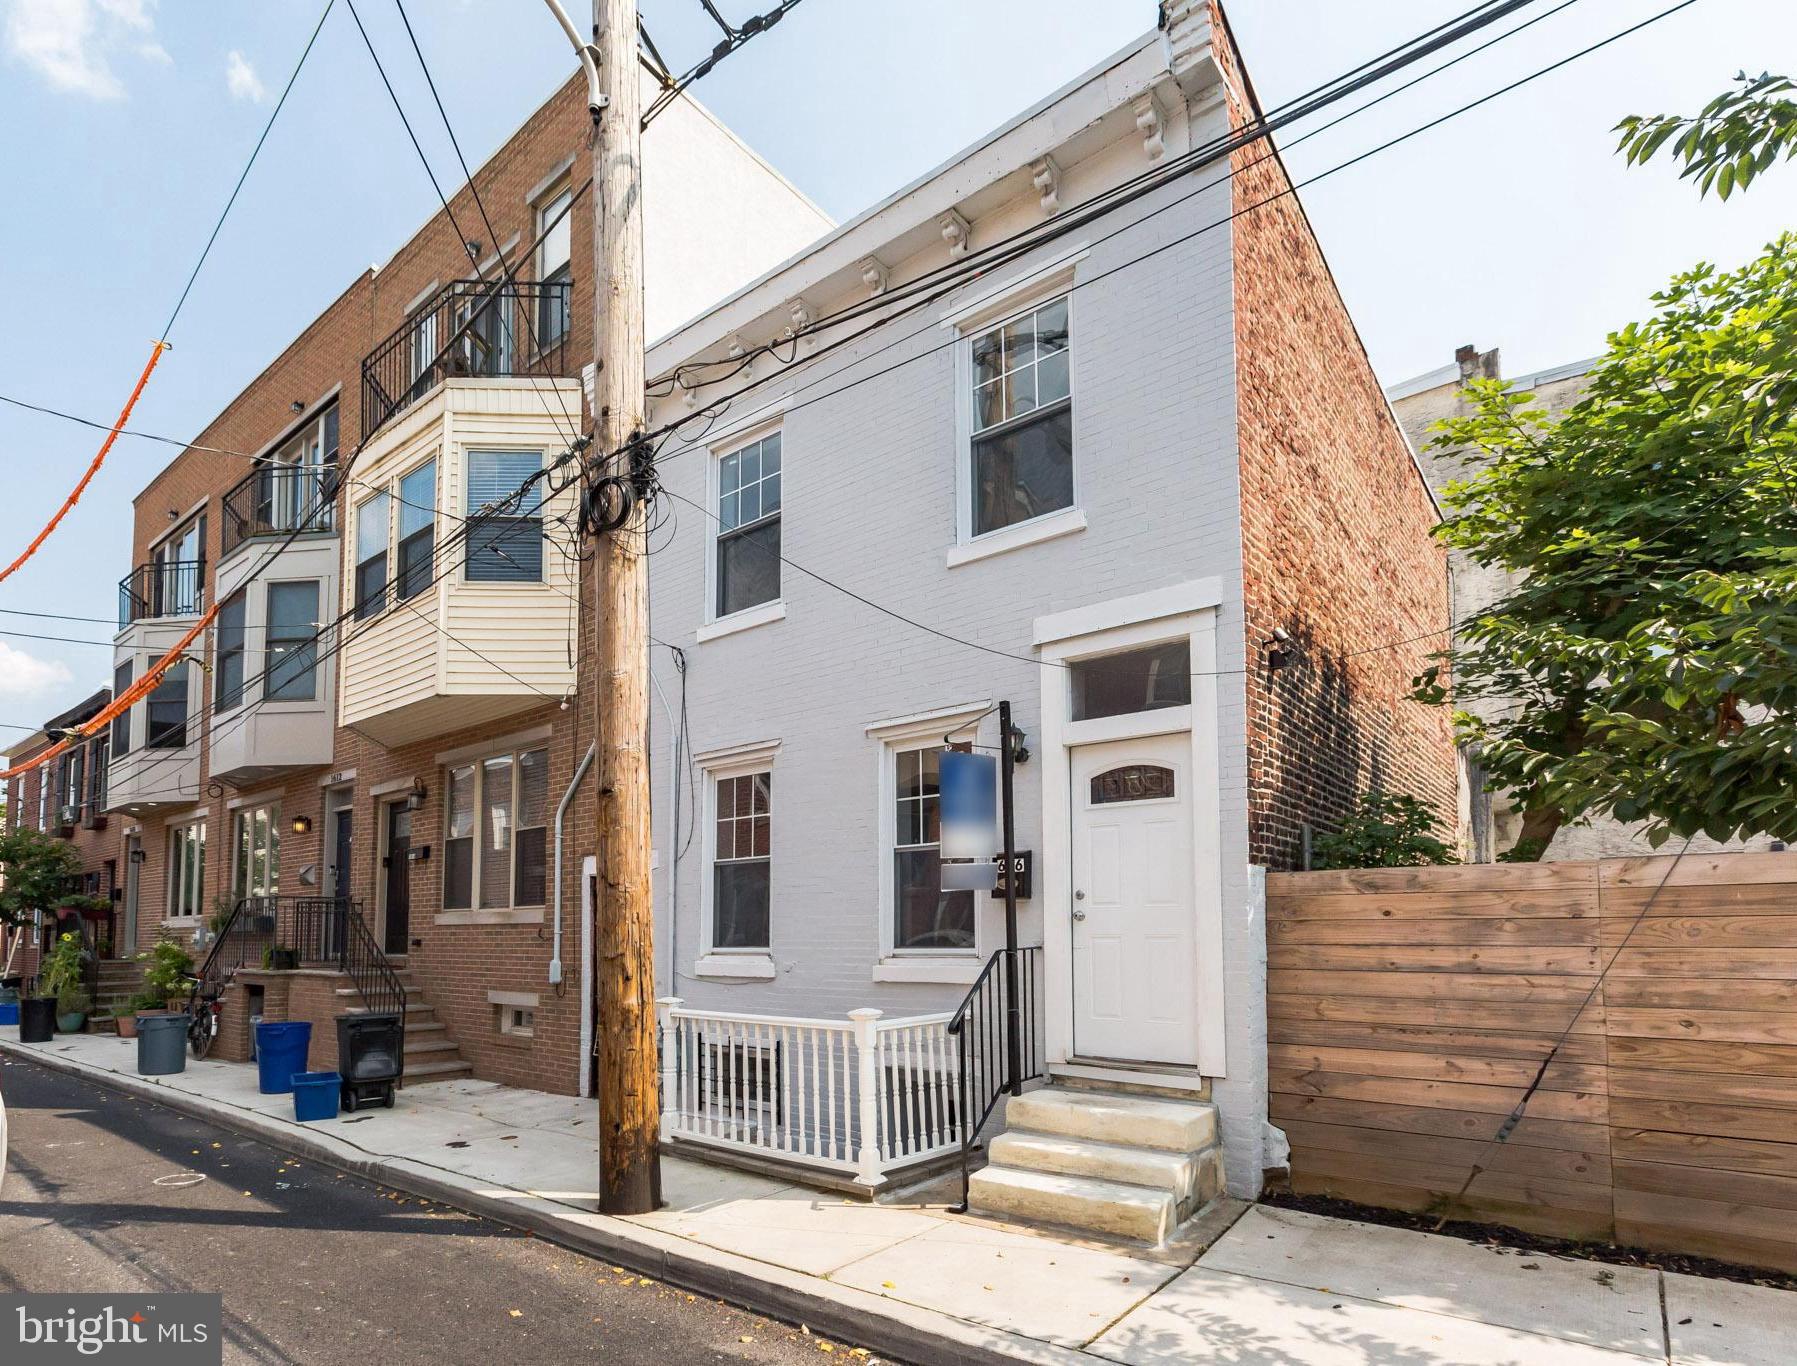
(561, 810)
(673, 837)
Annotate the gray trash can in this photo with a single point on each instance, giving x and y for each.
(161, 1044)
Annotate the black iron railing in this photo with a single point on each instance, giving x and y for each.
(999, 1048)
(277, 499)
(472, 327)
(172, 588)
(321, 932)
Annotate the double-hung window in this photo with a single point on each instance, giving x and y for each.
(742, 861)
(257, 846)
(371, 556)
(505, 527)
(187, 869)
(555, 267)
(1022, 454)
(417, 530)
(924, 916)
(495, 834)
(121, 724)
(748, 536)
(166, 711)
(292, 632)
(227, 667)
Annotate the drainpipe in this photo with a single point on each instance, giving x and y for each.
(673, 838)
(561, 810)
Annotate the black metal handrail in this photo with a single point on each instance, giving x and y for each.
(470, 327)
(322, 932)
(275, 500)
(993, 1063)
(173, 588)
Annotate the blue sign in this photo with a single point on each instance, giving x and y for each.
(969, 808)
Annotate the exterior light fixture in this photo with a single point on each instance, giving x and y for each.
(302, 825)
(415, 798)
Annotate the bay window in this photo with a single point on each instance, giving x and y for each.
(417, 530)
(371, 557)
(505, 534)
(166, 711)
(292, 632)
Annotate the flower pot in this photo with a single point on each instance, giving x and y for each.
(37, 1019)
(127, 1026)
(72, 1022)
(283, 960)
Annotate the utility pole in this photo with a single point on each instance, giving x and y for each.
(625, 1024)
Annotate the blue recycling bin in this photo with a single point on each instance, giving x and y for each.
(281, 1048)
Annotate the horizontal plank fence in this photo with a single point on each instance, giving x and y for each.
(1410, 1008)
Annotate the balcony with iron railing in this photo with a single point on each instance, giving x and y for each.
(479, 329)
(276, 500)
(166, 588)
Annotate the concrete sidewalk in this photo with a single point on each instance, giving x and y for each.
(920, 1284)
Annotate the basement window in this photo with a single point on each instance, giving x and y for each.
(519, 1022)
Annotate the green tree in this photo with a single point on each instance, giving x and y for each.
(1646, 665)
(1384, 830)
(1738, 135)
(34, 873)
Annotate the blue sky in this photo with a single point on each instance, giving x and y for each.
(124, 122)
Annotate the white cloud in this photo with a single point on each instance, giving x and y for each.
(241, 79)
(24, 676)
(72, 43)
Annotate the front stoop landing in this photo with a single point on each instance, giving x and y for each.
(1120, 1165)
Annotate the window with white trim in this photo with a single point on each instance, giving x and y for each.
(505, 533)
(371, 556)
(187, 869)
(228, 653)
(291, 632)
(256, 851)
(925, 918)
(742, 860)
(1021, 456)
(496, 823)
(555, 266)
(121, 724)
(165, 720)
(748, 528)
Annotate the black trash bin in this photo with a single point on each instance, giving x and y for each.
(370, 1049)
(37, 1019)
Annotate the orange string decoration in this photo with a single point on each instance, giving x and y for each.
(94, 468)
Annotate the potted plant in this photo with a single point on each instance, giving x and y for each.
(279, 959)
(72, 1005)
(58, 975)
(125, 1017)
(171, 967)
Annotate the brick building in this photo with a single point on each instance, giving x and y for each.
(1136, 478)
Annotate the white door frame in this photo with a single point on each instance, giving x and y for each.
(1163, 614)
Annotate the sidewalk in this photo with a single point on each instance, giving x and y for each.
(911, 1281)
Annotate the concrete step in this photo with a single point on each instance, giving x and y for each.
(1077, 1201)
(430, 1049)
(436, 1071)
(1171, 1125)
(1190, 1178)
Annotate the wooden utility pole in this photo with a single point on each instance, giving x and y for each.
(629, 1102)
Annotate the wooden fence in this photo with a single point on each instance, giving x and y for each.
(1409, 1009)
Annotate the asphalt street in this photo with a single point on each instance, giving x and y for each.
(105, 1192)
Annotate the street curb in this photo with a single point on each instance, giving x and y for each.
(885, 1326)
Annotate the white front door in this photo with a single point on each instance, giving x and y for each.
(1134, 936)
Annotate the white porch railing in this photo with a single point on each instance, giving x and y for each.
(860, 1096)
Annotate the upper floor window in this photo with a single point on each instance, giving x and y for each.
(505, 533)
(43, 797)
(292, 635)
(555, 266)
(292, 488)
(227, 667)
(1022, 450)
(748, 544)
(417, 530)
(179, 571)
(71, 778)
(371, 556)
(495, 832)
(121, 724)
(423, 355)
(166, 712)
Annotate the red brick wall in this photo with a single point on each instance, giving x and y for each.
(1335, 533)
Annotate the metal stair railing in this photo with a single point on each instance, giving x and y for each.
(985, 1050)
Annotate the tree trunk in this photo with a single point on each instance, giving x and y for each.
(1538, 830)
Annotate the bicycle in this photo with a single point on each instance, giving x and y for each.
(204, 1004)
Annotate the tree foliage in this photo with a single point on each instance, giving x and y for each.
(1646, 666)
(35, 869)
(1385, 830)
(1736, 137)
